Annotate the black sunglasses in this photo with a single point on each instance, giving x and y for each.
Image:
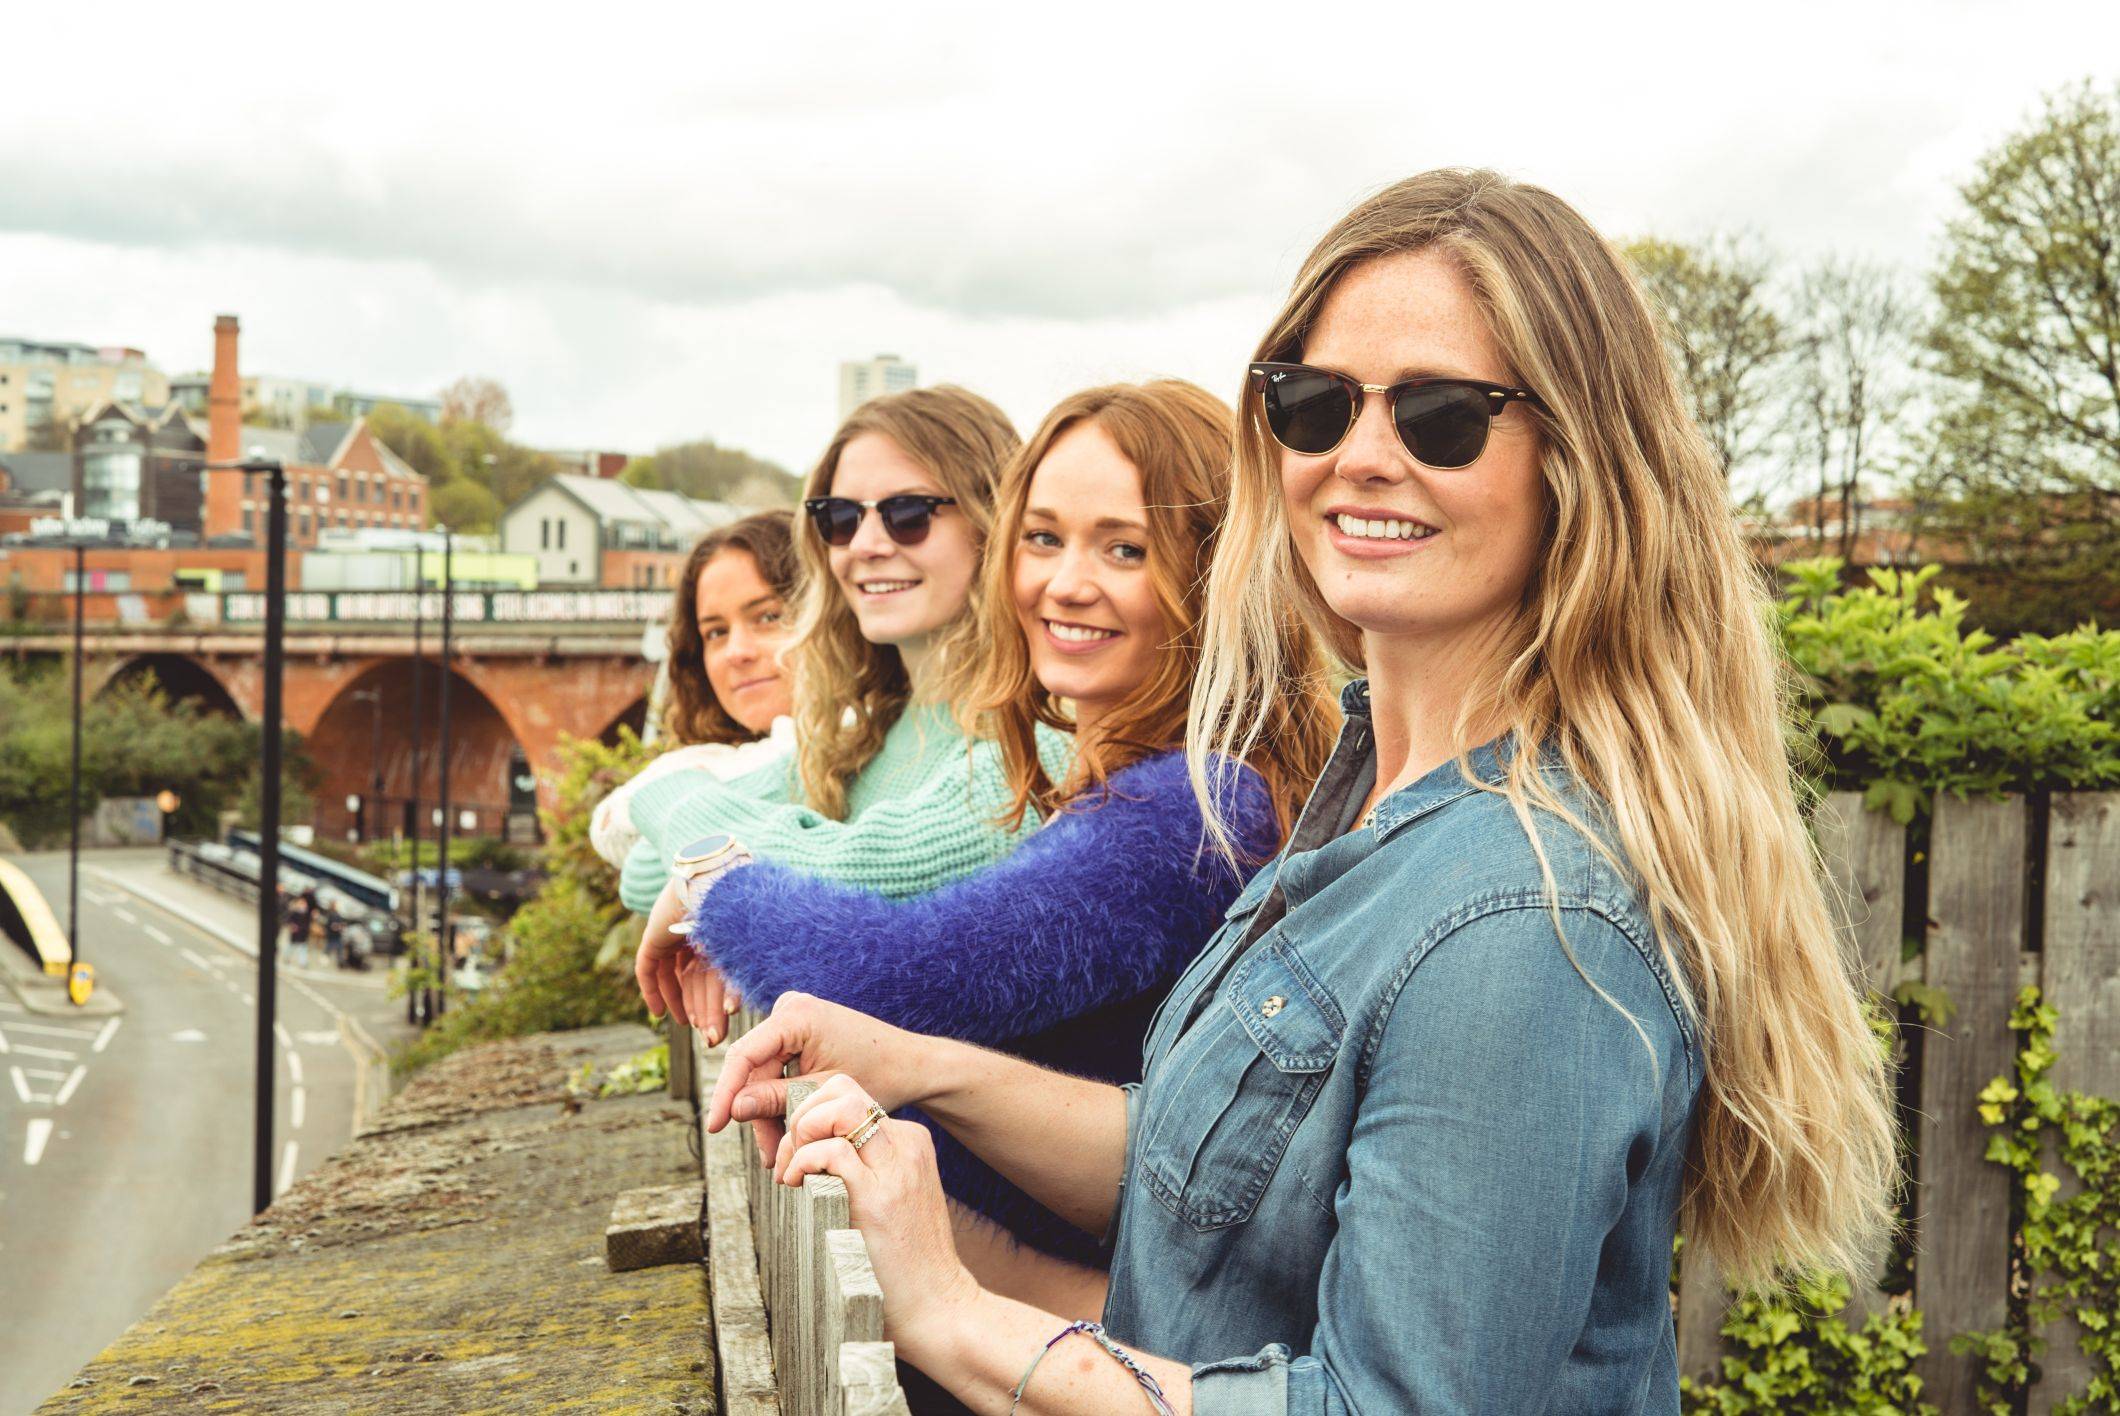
(906, 517)
(1443, 423)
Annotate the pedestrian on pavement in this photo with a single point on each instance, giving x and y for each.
(300, 911)
(334, 938)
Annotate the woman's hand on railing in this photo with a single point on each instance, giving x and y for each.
(656, 963)
(821, 1039)
(894, 1195)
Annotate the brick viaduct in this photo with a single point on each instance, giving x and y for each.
(513, 697)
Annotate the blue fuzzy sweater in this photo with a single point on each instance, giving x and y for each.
(1059, 953)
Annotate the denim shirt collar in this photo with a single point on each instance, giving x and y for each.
(1489, 763)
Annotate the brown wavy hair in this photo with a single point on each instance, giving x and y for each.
(694, 714)
(1177, 435)
(960, 440)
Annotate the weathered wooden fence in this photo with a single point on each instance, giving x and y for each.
(2017, 892)
(798, 1317)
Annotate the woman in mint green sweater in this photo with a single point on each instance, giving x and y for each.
(885, 791)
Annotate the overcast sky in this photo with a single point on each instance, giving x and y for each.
(674, 221)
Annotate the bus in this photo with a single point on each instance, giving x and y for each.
(370, 890)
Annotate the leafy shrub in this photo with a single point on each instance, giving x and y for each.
(135, 741)
(552, 979)
(465, 852)
(1904, 701)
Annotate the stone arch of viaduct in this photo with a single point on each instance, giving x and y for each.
(508, 713)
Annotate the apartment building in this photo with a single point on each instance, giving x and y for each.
(47, 385)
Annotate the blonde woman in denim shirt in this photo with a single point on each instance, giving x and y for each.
(1546, 965)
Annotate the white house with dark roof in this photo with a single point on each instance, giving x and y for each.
(595, 531)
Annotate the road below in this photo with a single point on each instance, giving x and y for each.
(127, 1143)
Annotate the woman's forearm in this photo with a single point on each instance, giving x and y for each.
(979, 1352)
(1003, 1264)
(1060, 1139)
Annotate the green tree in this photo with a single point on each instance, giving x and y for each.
(463, 504)
(473, 399)
(2022, 464)
(135, 741)
(570, 950)
(1728, 343)
(1852, 379)
(709, 471)
(414, 439)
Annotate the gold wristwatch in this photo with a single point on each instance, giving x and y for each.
(699, 865)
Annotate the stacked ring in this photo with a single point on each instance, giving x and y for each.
(870, 1123)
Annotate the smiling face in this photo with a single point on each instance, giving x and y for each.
(1399, 550)
(900, 594)
(742, 627)
(1083, 594)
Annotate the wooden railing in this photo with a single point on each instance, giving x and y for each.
(798, 1316)
(2008, 893)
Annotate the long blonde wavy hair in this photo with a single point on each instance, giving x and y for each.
(960, 440)
(1177, 436)
(1642, 650)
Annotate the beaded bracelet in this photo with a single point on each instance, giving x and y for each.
(1149, 1386)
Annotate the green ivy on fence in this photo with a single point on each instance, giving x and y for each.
(2069, 1258)
(1795, 1355)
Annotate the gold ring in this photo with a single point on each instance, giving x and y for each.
(870, 1124)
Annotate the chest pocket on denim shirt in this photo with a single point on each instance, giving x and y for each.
(1236, 920)
(1237, 1085)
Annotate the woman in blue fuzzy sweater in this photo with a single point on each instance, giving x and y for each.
(1061, 951)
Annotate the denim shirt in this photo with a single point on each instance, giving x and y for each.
(1393, 1153)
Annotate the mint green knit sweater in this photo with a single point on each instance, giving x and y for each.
(919, 815)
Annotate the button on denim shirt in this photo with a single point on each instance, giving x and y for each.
(1393, 1152)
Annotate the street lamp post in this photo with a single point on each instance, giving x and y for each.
(441, 935)
(374, 698)
(268, 810)
(415, 1002)
(73, 800)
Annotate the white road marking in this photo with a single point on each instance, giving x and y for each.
(40, 1072)
(250, 1000)
(103, 1038)
(3, 1043)
(157, 935)
(27, 1051)
(98, 896)
(49, 1031)
(188, 1035)
(125, 914)
(286, 1169)
(195, 959)
(68, 1090)
(279, 1030)
(21, 1083)
(40, 1131)
(323, 1037)
(297, 1106)
(294, 1067)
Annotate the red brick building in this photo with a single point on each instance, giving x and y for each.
(338, 474)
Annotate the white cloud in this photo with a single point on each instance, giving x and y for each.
(667, 221)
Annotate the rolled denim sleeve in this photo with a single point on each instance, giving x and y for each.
(1487, 1164)
(1110, 1239)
